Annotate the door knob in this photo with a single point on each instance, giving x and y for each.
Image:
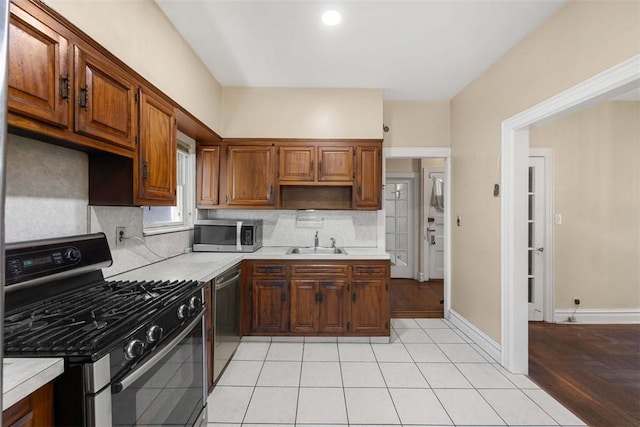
(540, 249)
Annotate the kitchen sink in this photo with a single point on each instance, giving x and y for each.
(320, 250)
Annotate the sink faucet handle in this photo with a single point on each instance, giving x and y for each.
(333, 242)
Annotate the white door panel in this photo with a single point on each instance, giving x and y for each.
(435, 236)
(536, 244)
(399, 233)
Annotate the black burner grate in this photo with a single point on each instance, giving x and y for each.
(88, 321)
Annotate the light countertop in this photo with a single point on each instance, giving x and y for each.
(205, 266)
(23, 376)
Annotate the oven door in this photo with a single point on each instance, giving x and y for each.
(169, 388)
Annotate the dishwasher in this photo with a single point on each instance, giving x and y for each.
(226, 328)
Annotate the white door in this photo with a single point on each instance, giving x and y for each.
(399, 228)
(435, 230)
(536, 230)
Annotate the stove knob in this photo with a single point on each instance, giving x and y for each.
(195, 303)
(154, 333)
(72, 254)
(133, 349)
(183, 311)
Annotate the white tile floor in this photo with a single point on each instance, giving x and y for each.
(430, 374)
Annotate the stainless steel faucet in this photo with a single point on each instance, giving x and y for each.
(316, 241)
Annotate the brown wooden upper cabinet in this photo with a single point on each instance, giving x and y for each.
(250, 175)
(312, 164)
(156, 169)
(368, 183)
(105, 100)
(207, 174)
(39, 64)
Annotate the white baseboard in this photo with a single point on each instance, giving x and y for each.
(598, 315)
(483, 340)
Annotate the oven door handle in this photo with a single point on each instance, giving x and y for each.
(227, 282)
(153, 360)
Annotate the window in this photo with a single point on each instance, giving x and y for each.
(162, 219)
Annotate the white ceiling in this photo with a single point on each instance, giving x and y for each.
(414, 50)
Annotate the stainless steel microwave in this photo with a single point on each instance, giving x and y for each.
(227, 235)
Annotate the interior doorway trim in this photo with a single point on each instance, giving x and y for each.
(515, 152)
(433, 152)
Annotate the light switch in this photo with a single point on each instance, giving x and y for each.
(557, 219)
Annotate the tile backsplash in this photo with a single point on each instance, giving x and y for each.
(298, 228)
(137, 250)
(46, 192)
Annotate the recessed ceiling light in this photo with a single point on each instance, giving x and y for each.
(331, 17)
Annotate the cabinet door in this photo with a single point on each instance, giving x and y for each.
(296, 164)
(157, 152)
(38, 80)
(335, 163)
(208, 173)
(34, 410)
(304, 306)
(368, 177)
(269, 311)
(105, 100)
(250, 175)
(333, 315)
(370, 307)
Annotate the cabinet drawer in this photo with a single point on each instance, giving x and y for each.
(369, 270)
(269, 270)
(319, 270)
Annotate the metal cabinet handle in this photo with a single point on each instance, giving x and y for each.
(311, 167)
(84, 98)
(145, 171)
(433, 240)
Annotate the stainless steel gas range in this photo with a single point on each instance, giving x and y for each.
(133, 350)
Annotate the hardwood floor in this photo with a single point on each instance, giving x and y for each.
(412, 299)
(594, 370)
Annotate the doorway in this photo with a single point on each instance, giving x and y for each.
(420, 157)
(515, 148)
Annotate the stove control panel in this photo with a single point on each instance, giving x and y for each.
(48, 259)
(35, 262)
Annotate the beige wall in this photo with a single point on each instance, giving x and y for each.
(582, 39)
(139, 34)
(597, 191)
(417, 124)
(402, 165)
(302, 113)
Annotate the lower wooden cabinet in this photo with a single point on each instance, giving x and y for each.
(270, 314)
(34, 410)
(319, 306)
(316, 298)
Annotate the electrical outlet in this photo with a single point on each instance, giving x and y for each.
(576, 301)
(120, 235)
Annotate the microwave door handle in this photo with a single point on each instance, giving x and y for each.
(157, 356)
(238, 232)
